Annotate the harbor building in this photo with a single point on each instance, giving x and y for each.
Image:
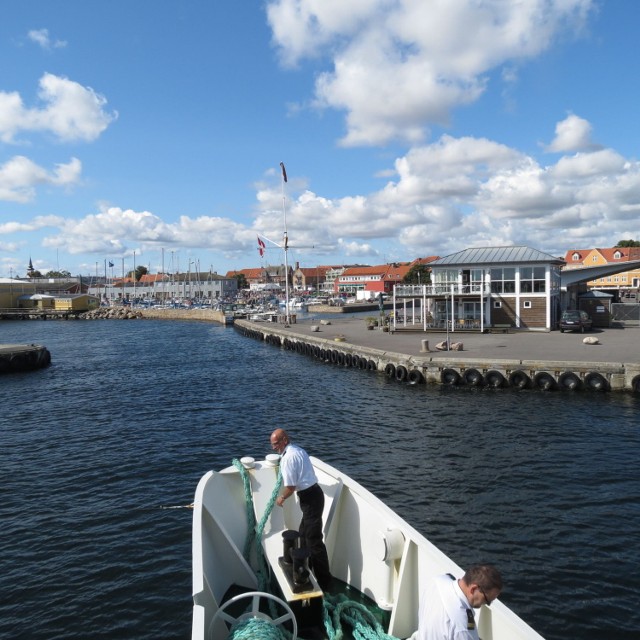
(485, 287)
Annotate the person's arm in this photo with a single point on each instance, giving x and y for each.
(287, 492)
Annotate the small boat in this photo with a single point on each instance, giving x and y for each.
(379, 562)
(295, 303)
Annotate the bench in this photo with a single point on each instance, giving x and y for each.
(499, 328)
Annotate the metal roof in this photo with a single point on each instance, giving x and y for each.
(495, 256)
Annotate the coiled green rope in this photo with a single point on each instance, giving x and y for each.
(255, 629)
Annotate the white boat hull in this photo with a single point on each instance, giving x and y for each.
(369, 546)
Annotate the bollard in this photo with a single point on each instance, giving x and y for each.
(425, 346)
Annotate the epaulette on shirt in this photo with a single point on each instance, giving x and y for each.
(471, 621)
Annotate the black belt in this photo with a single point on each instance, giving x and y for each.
(301, 493)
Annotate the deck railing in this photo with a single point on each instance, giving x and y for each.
(441, 289)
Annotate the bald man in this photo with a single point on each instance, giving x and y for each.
(299, 477)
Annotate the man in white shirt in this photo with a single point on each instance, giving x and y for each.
(298, 476)
(446, 604)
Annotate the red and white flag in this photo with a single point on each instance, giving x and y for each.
(261, 246)
(284, 172)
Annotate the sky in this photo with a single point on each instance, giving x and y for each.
(138, 132)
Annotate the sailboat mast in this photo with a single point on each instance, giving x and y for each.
(286, 247)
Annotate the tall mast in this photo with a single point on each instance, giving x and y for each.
(286, 247)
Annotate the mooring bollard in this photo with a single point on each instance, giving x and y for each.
(425, 346)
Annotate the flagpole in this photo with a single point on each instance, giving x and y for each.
(286, 247)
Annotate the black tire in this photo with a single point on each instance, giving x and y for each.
(450, 377)
(544, 381)
(371, 365)
(401, 373)
(472, 377)
(635, 384)
(595, 381)
(570, 381)
(415, 377)
(348, 360)
(390, 370)
(494, 379)
(519, 379)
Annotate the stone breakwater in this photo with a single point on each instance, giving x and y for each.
(111, 313)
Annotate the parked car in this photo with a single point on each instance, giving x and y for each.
(575, 321)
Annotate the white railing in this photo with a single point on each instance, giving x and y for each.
(441, 289)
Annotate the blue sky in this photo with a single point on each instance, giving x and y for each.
(408, 128)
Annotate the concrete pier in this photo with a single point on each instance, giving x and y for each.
(535, 360)
(23, 357)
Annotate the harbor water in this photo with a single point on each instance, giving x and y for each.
(98, 448)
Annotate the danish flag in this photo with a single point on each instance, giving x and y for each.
(261, 246)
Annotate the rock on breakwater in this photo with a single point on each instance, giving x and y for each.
(111, 313)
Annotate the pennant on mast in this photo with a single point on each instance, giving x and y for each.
(284, 172)
(261, 246)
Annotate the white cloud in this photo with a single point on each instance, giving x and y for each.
(115, 231)
(20, 176)
(572, 134)
(70, 112)
(453, 193)
(398, 67)
(41, 37)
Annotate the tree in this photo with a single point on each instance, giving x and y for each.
(139, 272)
(57, 274)
(628, 243)
(418, 274)
(242, 281)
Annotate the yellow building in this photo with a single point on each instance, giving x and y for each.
(11, 289)
(576, 258)
(75, 302)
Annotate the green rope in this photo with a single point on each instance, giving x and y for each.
(364, 626)
(254, 537)
(255, 629)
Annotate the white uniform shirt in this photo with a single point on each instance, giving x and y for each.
(443, 612)
(297, 470)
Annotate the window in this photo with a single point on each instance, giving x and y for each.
(526, 304)
(497, 304)
(532, 280)
(575, 257)
(617, 255)
(503, 280)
